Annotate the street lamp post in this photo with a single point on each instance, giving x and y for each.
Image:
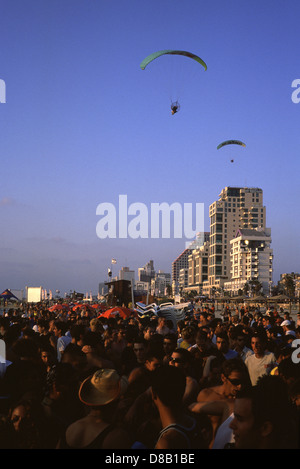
(270, 288)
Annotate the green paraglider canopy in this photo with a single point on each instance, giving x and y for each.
(231, 142)
(155, 55)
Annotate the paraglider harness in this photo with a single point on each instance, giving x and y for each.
(175, 107)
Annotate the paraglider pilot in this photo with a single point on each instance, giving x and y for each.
(175, 107)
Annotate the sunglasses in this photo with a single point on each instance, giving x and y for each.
(235, 382)
(175, 360)
(16, 418)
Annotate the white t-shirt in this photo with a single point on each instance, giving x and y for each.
(246, 352)
(258, 367)
(224, 434)
(62, 342)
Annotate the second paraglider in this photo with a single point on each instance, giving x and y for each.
(231, 142)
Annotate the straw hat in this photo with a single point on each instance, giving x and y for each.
(103, 387)
(96, 324)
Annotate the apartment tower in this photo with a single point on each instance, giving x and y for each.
(237, 208)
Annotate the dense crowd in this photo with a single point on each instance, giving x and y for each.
(74, 379)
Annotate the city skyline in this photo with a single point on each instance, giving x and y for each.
(82, 124)
(249, 208)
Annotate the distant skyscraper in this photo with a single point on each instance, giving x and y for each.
(200, 239)
(160, 282)
(126, 274)
(146, 273)
(182, 261)
(198, 267)
(102, 289)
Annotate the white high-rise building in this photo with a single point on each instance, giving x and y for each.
(236, 208)
(183, 279)
(182, 262)
(251, 259)
(198, 267)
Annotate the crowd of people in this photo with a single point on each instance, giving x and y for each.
(77, 380)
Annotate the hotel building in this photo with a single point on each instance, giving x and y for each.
(251, 259)
(237, 208)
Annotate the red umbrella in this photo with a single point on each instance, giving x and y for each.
(98, 308)
(101, 307)
(98, 305)
(59, 307)
(82, 307)
(123, 312)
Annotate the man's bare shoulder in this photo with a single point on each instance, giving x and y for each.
(172, 440)
(117, 438)
(136, 373)
(209, 394)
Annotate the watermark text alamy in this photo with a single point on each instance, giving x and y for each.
(162, 220)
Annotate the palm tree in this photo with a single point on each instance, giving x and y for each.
(253, 285)
(289, 285)
(169, 290)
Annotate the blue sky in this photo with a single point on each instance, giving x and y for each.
(82, 124)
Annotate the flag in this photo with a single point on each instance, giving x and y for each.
(113, 261)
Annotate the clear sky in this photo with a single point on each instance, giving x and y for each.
(83, 124)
